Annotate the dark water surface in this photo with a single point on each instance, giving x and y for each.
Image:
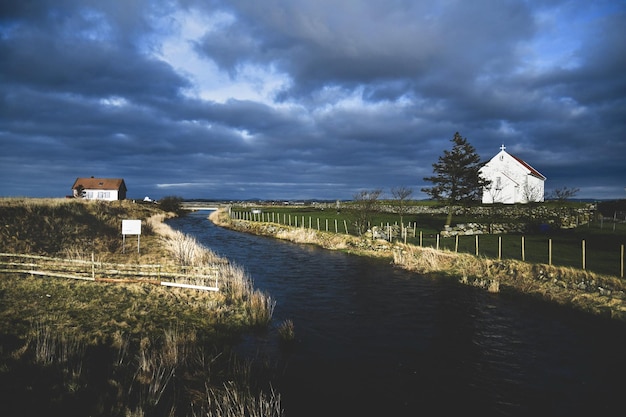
(374, 340)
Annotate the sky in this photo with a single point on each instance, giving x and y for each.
(307, 99)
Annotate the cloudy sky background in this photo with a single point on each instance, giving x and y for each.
(300, 99)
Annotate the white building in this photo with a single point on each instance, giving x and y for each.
(512, 180)
(109, 189)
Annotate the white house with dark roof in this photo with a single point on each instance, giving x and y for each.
(512, 180)
(109, 189)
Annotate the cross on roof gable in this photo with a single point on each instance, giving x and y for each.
(525, 164)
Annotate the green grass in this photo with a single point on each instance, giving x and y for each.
(602, 244)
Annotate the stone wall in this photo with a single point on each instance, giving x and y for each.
(484, 228)
(495, 218)
(501, 219)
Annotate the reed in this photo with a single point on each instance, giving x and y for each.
(54, 345)
(239, 289)
(260, 309)
(184, 248)
(232, 401)
(286, 331)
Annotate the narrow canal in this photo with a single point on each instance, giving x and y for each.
(374, 340)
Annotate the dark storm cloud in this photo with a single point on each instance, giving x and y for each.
(321, 43)
(306, 99)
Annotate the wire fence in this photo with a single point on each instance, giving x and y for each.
(586, 254)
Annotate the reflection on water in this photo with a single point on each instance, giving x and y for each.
(374, 340)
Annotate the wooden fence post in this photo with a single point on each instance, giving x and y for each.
(93, 267)
(583, 248)
(622, 262)
(549, 251)
(499, 248)
(420, 238)
(476, 245)
(437, 247)
(523, 250)
(456, 243)
(336, 228)
(345, 226)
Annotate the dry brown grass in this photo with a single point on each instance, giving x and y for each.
(232, 401)
(235, 283)
(54, 319)
(327, 240)
(74, 227)
(286, 331)
(580, 289)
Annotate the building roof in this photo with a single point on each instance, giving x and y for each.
(100, 183)
(532, 170)
(525, 164)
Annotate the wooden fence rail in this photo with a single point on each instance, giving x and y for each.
(183, 277)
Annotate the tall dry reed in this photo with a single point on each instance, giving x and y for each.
(233, 280)
(231, 401)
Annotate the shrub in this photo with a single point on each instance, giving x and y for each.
(171, 204)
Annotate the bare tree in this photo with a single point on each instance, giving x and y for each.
(563, 194)
(495, 191)
(532, 194)
(401, 195)
(365, 203)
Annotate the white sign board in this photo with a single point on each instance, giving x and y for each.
(131, 227)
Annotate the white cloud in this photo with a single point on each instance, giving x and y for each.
(184, 30)
(114, 101)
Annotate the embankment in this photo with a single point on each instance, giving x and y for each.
(582, 290)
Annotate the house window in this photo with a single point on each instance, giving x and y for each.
(498, 183)
(104, 194)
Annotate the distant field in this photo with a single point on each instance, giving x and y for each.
(603, 242)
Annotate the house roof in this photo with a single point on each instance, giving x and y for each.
(100, 183)
(532, 170)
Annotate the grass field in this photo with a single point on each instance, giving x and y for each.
(72, 347)
(602, 240)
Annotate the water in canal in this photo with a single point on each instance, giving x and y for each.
(374, 340)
